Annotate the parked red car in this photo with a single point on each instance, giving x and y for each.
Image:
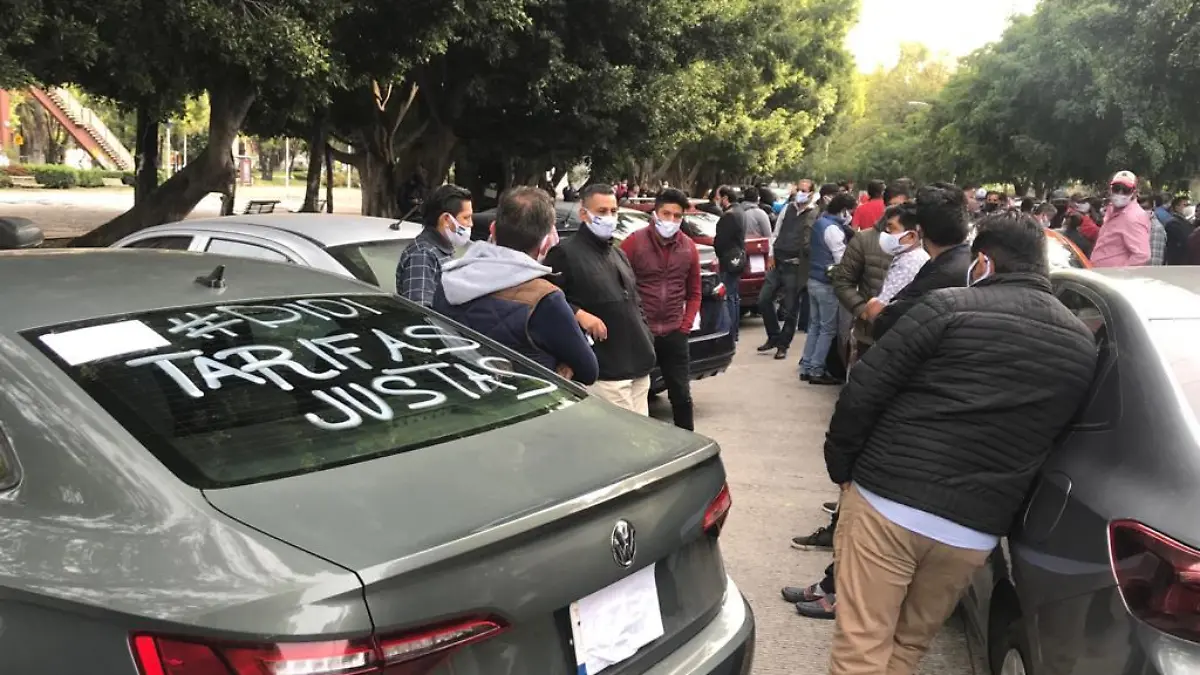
(702, 227)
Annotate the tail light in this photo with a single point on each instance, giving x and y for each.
(717, 511)
(1159, 578)
(413, 653)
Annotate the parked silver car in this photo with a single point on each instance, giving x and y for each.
(217, 465)
(1101, 575)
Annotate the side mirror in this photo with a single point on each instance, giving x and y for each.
(16, 233)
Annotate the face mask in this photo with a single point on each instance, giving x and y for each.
(1189, 212)
(987, 272)
(844, 217)
(989, 207)
(666, 228)
(602, 227)
(892, 244)
(458, 235)
(1121, 201)
(1083, 208)
(803, 197)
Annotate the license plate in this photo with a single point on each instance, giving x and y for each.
(612, 624)
(758, 264)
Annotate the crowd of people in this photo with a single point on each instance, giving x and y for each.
(603, 315)
(932, 305)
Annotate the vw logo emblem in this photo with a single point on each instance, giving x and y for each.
(624, 543)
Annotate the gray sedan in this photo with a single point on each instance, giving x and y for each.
(225, 466)
(1101, 575)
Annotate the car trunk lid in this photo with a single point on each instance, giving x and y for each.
(516, 524)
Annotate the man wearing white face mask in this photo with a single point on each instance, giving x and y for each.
(1124, 240)
(602, 291)
(448, 224)
(500, 289)
(667, 266)
(901, 239)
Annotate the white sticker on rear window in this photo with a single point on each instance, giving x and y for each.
(85, 345)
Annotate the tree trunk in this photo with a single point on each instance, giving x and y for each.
(437, 153)
(212, 170)
(316, 157)
(146, 154)
(329, 178)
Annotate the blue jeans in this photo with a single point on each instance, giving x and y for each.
(733, 301)
(822, 327)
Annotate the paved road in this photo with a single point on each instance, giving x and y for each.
(771, 427)
(69, 213)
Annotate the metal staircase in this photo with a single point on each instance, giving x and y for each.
(88, 130)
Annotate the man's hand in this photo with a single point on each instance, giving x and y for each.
(592, 325)
(564, 371)
(845, 486)
(874, 309)
(770, 263)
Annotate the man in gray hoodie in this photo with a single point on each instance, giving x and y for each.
(499, 289)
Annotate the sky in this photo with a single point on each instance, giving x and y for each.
(954, 27)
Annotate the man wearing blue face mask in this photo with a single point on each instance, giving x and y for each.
(448, 221)
(602, 291)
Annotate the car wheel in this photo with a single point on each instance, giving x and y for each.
(1011, 657)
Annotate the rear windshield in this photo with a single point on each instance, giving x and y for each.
(374, 262)
(1061, 255)
(233, 394)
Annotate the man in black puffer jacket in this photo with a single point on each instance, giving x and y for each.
(938, 437)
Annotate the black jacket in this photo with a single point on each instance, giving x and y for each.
(955, 409)
(1178, 230)
(948, 270)
(730, 240)
(596, 277)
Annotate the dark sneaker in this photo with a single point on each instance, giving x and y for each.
(829, 507)
(794, 594)
(766, 347)
(805, 377)
(824, 607)
(822, 538)
(781, 353)
(824, 379)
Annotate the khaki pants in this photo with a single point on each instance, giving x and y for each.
(632, 395)
(895, 589)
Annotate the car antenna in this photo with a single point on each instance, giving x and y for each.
(396, 225)
(214, 280)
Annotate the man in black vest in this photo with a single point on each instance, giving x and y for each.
(788, 269)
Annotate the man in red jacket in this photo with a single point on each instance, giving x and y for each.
(667, 266)
(870, 211)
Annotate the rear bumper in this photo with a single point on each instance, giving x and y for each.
(749, 289)
(724, 647)
(708, 355)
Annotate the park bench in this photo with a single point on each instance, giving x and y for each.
(257, 206)
(24, 181)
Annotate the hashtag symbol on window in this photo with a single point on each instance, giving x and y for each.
(197, 326)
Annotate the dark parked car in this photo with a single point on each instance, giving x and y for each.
(226, 466)
(711, 344)
(1101, 575)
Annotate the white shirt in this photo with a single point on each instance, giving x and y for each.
(835, 239)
